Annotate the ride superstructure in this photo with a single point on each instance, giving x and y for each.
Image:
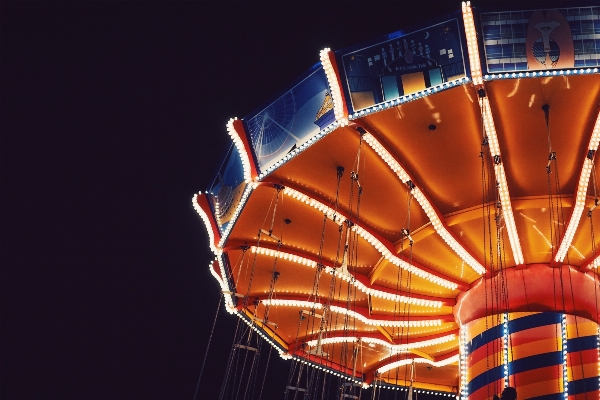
(417, 213)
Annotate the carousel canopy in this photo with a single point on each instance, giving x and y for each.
(408, 186)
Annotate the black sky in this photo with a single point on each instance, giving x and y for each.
(112, 116)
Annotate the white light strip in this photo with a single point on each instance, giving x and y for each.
(409, 97)
(284, 255)
(439, 227)
(536, 74)
(224, 283)
(598, 347)
(464, 388)
(207, 225)
(390, 257)
(254, 326)
(354, 314)
(396, 364)
(330, 370)
(331, 214)
(350, 278)
(381, 322)
(239, 144)
(217, 277)
(395, 348)
(336, 90)
(384, 250)
(238, 209)
(472, 47)
(474, 58)
(565, 376)
(581, 196)
(505, 340)
(387, 157)
(298, 150)
(507, 212)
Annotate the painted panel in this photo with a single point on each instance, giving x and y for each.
(227, 189)
(403, 63)
(540, 39)
(291, 120)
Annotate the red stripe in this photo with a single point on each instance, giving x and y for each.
(587, 356)
(551, 373)
(534, 334)
(586, 396)
(483, 393)
(485, 351)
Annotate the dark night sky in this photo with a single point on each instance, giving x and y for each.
(112, 116)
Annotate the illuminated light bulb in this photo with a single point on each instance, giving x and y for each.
(207, 225)
(580, 197)
(425, 205)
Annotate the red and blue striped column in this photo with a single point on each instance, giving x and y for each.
(582, 359)
(545, 356)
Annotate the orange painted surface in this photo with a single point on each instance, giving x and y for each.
(487, 392)
(586, 396)
(549, 374)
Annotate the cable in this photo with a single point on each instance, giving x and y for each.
(207, 347)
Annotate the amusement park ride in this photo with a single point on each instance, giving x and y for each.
(416, 215)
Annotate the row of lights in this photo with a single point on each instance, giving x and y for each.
(299, 149)
(507, 212)
(445, 234)
(424, 203)
(334, 86)
(495, 150)
(223, 286)
(230, 307)
(536, 74)
(238, 209)
(284, 255)
(505, 340)
(474, 58)
(410, 97)
(383, 249)
(350, 278)
(582, 187)
(577, 210)
(282, 352)
(388, 386)
(463, 362)
(227, 293)
(397, 261)
(472, 47)
(400, 363)
(239, 144)
(395, 348)
(563, 326)
(207, 224)
(354, 314)
(331, 371)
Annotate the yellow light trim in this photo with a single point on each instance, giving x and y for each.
(580, 198)
(507, 212)
(401, 363)
(438, 225)
(472, 47)
(338, 219)
(395, 348)
(207, 225)
(336, 92)
(349, 278)
(368, 321)
(239, 144)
